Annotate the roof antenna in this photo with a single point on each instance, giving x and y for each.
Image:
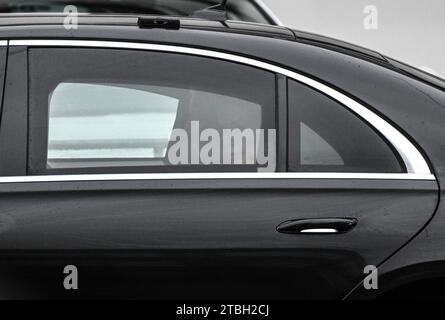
(214, 13)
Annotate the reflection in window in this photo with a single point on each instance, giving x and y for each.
(112, 125)
(97, 121)
(315, 151)
(131, 111)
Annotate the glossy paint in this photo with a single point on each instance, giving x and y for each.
(217, 238)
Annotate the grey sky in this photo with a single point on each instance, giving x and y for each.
(412, 31)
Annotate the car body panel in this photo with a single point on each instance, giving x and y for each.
(232, 222)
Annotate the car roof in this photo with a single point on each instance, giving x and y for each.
(240, 27)
(19, 21)
(30, 19)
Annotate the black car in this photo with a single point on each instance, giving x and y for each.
(353, 179)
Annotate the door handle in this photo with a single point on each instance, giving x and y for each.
(318, 226)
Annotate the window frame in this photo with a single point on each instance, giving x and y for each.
(13, 126)
(38, 126)
(418, 165)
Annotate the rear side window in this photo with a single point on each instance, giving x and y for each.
(99, 110)
(90, 123)
(327, 137)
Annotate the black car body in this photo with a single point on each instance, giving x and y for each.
(359, 166)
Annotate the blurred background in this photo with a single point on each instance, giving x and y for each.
(411, 31)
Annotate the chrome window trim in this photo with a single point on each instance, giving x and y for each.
(414, 161)
(215, 176)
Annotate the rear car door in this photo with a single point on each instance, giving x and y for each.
(171, 172)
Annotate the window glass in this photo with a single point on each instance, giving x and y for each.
(315, 150)
(129, 111)
(327, 137)
(99, 121)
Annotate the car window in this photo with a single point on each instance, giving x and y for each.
(128, 111)
(107, 121)
(327, 137)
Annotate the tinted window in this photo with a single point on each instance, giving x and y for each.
(97, 124)
(126, 111)
(327, 137)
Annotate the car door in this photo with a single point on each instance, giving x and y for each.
(116, 164)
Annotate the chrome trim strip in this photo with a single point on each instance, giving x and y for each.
(214, 176)
(413, 159)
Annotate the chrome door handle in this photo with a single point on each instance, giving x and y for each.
(318, 226)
